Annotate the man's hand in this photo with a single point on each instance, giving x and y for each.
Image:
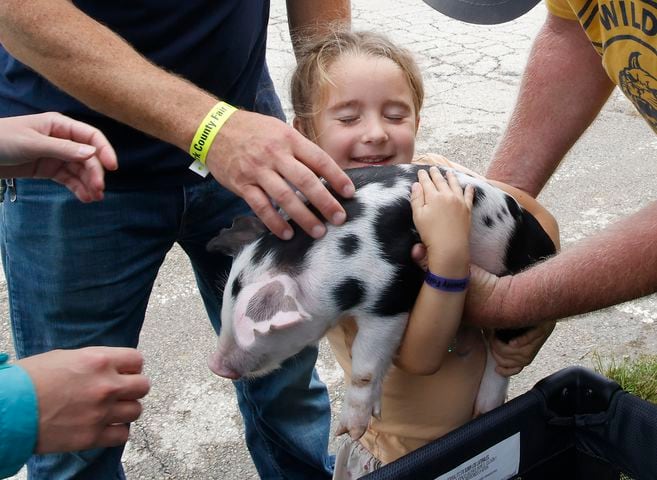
(259, 157)
(512, 357)
(86, 397)
(51, 145)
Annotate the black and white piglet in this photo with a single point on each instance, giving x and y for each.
(281, 296)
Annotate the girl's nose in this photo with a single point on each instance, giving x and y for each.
(374, 132)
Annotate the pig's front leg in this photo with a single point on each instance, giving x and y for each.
(375, 344)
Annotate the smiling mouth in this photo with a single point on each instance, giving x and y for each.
(373, 159)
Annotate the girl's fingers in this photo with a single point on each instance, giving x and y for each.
(454, 183)
(417, 196)
(468, 196)
(438, 180)
(426, 183)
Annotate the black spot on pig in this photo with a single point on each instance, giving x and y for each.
(288, 255)
(349, 293)
(236, 287)
(395, 234)
(512, 205)
(369, 175)
(528, 243)
(349, 244)
(479, 196)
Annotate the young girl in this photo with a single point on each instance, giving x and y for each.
(358, 96)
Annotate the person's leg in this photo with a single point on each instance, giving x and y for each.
(79, 275)
(287, 413)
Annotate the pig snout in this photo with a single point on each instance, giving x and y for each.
(219, 367)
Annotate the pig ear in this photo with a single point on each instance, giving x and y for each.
(231, 240)
(280, 321)
(246, 330)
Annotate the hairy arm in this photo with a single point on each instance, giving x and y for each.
(563, 89)
(111, 77)
(610, 267)
(312, 17)
(258, 154)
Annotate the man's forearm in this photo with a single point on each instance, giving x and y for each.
(613, 266)
(563, 89)
(109, 75)
(311, 17)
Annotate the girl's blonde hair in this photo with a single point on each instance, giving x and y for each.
(310, 78)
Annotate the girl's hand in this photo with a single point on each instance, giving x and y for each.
(441, 213)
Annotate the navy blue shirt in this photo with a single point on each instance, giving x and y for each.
(218, 45)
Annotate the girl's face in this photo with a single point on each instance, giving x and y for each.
(368, 116)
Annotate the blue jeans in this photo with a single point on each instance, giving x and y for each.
(81, 274)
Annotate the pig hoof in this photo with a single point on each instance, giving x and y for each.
(342, 429)
(356, 432)
(486, 403)
(355, 421)
(376, 410)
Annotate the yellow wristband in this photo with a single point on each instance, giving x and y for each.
(208, 129)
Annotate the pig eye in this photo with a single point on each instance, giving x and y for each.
(237, 286)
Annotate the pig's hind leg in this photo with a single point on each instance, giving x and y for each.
(493, 387)
(372, 351)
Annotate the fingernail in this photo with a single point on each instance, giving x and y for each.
(86, 150)
(287, 234)
(339, 218)
(348, 191)
(318, 231)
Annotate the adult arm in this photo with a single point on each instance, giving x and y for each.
(564, 86)
(551, 113)
(253, 155)
(610, 267)
(312, 17)
(51, 145)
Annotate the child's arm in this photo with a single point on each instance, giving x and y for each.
(441, 212)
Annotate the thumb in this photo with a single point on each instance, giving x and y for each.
(419, 255)
(61, 149)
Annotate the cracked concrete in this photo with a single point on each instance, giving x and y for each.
(191, 428)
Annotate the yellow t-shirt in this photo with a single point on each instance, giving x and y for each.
(624, 32)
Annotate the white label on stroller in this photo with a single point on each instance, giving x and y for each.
(499, 462)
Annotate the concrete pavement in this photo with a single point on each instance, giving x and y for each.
(191, 428)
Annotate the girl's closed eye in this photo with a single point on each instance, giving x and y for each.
(349, 119)
(397, 113)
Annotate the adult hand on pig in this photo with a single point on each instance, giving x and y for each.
(261, 158)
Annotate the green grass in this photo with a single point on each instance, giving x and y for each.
(635, 375)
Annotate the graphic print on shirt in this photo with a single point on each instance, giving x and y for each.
(640, 86)
(624, 33)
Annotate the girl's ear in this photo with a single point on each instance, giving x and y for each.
(417, 123)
